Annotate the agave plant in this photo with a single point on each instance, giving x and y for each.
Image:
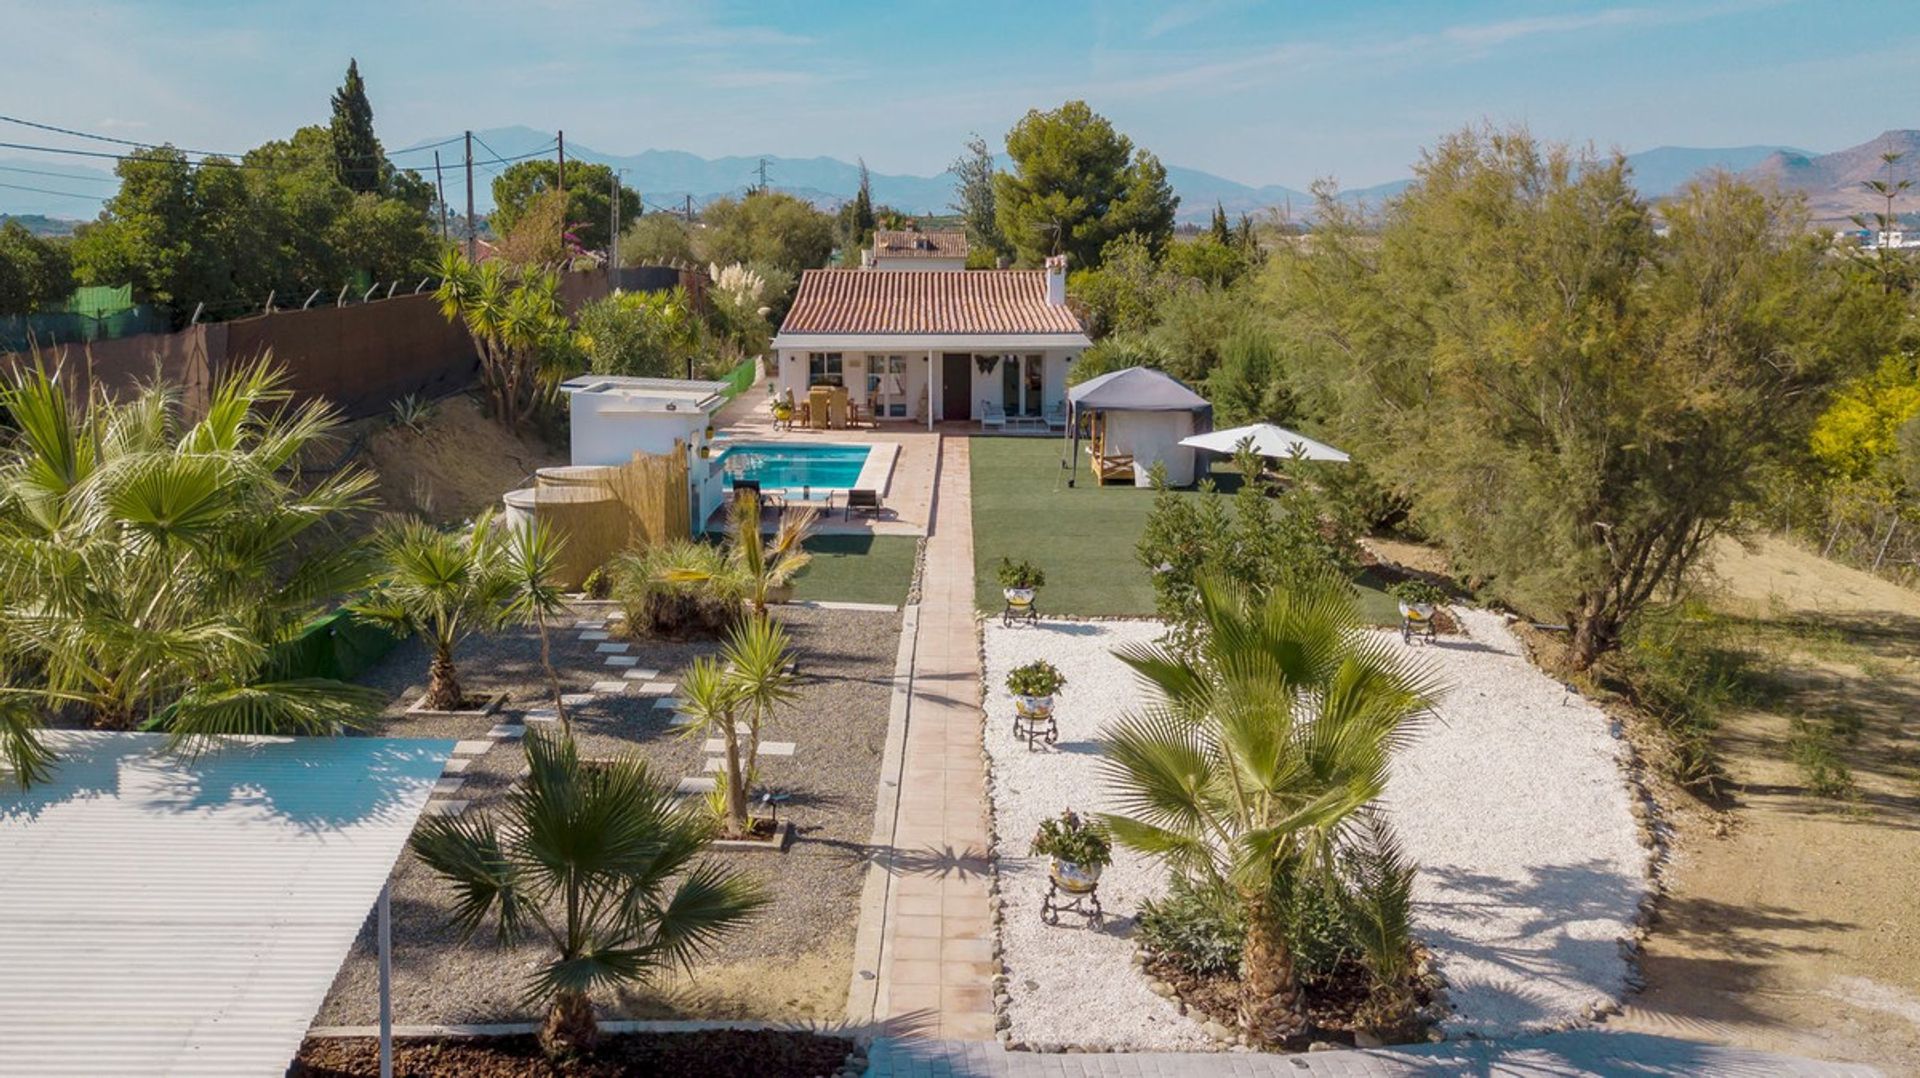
(596, 858)
(446, 586)
(149, 565)
(1257, 758)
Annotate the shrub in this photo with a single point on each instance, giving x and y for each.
(1069, 838)
(1684, 676)
(705, 606)
(1037, 678)
(1417, 590)
(1021, 574)
(1812, 746)
(1195, 927)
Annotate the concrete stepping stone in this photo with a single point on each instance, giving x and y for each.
(612, 649)
(507, 731)
(656, 688)
(702, 785)
(471, 748)
(543, 714)
(638, 674)
(624, 660)
(576, 699)
(458, 765)
(767, 748)
(444, 808)
(596, 634)
(590, 623)
(666, 703)
(448, 787)
(610, 688)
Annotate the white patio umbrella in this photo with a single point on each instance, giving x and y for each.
(1268, 441)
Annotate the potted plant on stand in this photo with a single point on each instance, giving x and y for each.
(1019, 582)
(1078, 851)
(1033, 686)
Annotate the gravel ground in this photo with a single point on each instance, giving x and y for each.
(792, 962)
(1512, 803)
(1515, 808)
(1071, 984)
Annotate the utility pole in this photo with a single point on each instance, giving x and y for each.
(563, 162)
(762, 170)
(440, 185)
(613, 242)
(472, 253)
(689, 209)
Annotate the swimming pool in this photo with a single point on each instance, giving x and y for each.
(796, 469)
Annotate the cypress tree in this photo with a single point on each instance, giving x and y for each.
(356, 152)
(1220, 232)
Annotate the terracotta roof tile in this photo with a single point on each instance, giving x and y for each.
(941, 301)
(905, 243)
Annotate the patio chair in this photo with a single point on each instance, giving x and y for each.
(1057, 416)
(864, 502)
(992, 416)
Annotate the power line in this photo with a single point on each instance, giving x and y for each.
(56, 175)
(49, 191)
(200, 153)
(103, 155)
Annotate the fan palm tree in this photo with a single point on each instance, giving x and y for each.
(149, 566)
(446, 586)
(1259, 751)
(595, 857)
(740, 687)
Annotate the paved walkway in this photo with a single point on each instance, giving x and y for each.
(935, 967)
(1562, 1055)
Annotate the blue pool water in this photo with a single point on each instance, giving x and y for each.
(792, 468)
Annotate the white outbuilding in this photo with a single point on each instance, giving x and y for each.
(1135, 418)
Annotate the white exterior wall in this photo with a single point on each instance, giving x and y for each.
(917, 265)
(607, 429)
(855, 363)
(1150, 437)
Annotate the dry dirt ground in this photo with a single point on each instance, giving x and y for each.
(1792, 922)
(462, 463)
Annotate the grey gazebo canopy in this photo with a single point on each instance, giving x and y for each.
(1132, 389)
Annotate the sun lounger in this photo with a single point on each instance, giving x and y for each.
(992, 417)
(864, 502)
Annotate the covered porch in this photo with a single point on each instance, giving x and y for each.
(1002, 382)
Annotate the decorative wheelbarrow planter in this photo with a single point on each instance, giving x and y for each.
(1033, 687)
(1078, 852)
(1418, 600)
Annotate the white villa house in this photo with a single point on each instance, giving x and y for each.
(911, 249)
(933, 345)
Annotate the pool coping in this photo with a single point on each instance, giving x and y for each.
(876, 473)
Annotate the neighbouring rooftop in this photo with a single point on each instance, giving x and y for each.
(910, 243)
(940, 302)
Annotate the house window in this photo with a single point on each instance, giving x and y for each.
(824, 369)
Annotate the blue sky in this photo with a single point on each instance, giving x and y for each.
(1258, 92)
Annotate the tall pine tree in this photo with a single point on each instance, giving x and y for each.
(356, 152)
(863, 221)
(1220, 232)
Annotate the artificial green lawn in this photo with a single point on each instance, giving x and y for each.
(857, 569)
(1083, 537)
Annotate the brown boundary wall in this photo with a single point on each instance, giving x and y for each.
(361, 357)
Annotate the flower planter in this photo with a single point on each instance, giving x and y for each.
(1074, 879)
(1019, 596)
(1422, 611)
(1036, 707)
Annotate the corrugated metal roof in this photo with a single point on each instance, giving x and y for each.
(938, 301)
(169, 915)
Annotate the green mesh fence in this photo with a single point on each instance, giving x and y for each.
(100, 300)
(739, 379)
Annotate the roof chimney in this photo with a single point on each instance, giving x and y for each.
(866, 258)
(1057, 281)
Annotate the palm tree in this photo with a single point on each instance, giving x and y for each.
(754, 565)
(149, 566)
(740, 687)
(446, 586)
(1259, 751)
(533, 554)
(517, 325)
(595, 857)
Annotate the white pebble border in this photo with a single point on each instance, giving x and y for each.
(1513, 803)
(1070, 985)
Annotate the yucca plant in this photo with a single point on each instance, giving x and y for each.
(150, 565)
(597, 858)
(446, 586)
(740, 687)
(754, 563)
(518, 326)
(535, 598)
(1260, 749)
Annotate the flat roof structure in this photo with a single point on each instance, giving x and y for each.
(171, 914)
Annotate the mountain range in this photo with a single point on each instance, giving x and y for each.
(669, 178)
